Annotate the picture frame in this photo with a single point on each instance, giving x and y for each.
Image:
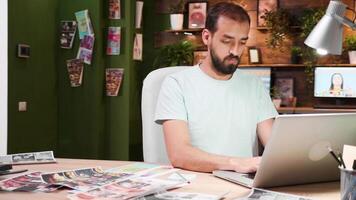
(199, 56)
(254, 55)
(197, 14)
(264, 6)
(285, 88)
(23, 51)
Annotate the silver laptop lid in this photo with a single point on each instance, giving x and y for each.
(297, 150)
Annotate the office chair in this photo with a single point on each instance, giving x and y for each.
(154, 149)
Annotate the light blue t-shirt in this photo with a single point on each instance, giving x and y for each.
(222, 115)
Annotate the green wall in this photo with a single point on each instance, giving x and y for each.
(74, 122)
(34, 79)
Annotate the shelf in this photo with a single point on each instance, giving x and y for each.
(184, 30)
(305, 110)
(264, 28)
(295, 65)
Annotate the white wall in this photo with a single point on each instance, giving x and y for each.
(3, 76)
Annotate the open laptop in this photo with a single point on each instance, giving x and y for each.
(297, 151)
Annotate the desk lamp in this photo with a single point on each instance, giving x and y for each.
(326, 37)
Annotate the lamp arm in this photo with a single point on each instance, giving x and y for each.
(345, 21)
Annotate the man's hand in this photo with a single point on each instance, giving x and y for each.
(245, 165)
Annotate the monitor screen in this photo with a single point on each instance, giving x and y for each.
(337, 82)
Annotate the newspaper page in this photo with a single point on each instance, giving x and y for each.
(83, 179)
(113, 78)
(261, 194)
(75, 71)
(113, 43)
(28, 158)
(85, 51)
(137, 168)
(68, 30)
(182, 196)
(30, 182)
(132, 188)
(114, 9)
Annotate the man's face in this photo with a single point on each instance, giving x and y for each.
(226, 45)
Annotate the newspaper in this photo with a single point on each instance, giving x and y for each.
(68, 30)
(28, 158)
(85, 51)
(132, 188)
(31, 182)
(75, 72)
(84, 23)
(113, 44)
(83, 179)
(260, 194)
(143, 169)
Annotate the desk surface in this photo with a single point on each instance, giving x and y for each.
(204, 183)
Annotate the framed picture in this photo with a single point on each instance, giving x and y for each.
(264, 6)
(23, 51)
(197, 14)
(285, 88)
(254, 55)
(199, 56)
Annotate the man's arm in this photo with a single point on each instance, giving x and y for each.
(183, 155)
(264, 130)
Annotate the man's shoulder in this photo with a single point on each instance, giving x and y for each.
(188, 72)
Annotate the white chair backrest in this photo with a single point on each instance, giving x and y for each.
(154, 148)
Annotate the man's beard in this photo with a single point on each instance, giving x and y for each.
(219, 65)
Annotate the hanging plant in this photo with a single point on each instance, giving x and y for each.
(309, 19)
(278, 22)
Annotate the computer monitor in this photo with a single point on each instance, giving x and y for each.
(336, 82)
(335, 86)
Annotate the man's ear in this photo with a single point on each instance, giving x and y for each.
(206, 36)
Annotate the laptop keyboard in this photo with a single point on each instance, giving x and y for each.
(249, 176)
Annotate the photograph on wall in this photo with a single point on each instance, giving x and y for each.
(85, 51)
(84, 23)
(113, 80)
(114, 37)
(137, 48)
(68, 30)
(263, 7)
(285, 88)
(254, 55)
(197, 15)
(114, 9)
(138, 19)
(199, 56)
(75, 72)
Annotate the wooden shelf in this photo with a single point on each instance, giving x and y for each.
(184, 30)
(305, 110)
(263, 28)
(296, 65)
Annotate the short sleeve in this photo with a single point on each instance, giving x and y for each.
(266, 108)
(170, 103)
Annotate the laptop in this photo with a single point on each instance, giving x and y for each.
(297, 152)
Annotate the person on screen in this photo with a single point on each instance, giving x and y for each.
(337, 86)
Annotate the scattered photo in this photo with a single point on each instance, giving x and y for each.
(114, 9)
(84, 23)
(113, 80)
(137, 49)
(85, 51)
(259, 194)
(28, 158)
(83, 179)
(182, 196)
(197, 15)
(114, 37)
(31, 182)
(68, 30)
(126, 189)
(75, 71)
(134, 168)
(199, 56)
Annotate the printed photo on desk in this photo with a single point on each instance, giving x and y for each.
(28, 158)
(259, 194)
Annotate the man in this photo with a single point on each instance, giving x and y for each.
(211, 112)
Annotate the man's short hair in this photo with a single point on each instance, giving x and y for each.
(226, 9)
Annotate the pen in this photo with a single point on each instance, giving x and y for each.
(335, 157)
(342, 160)
(182, 177)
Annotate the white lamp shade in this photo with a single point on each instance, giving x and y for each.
(326, 35)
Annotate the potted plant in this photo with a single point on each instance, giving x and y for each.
(177, 16)
(178, 54)
(295, 54)
(350, 46)
(276, 97)
(278, 22)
